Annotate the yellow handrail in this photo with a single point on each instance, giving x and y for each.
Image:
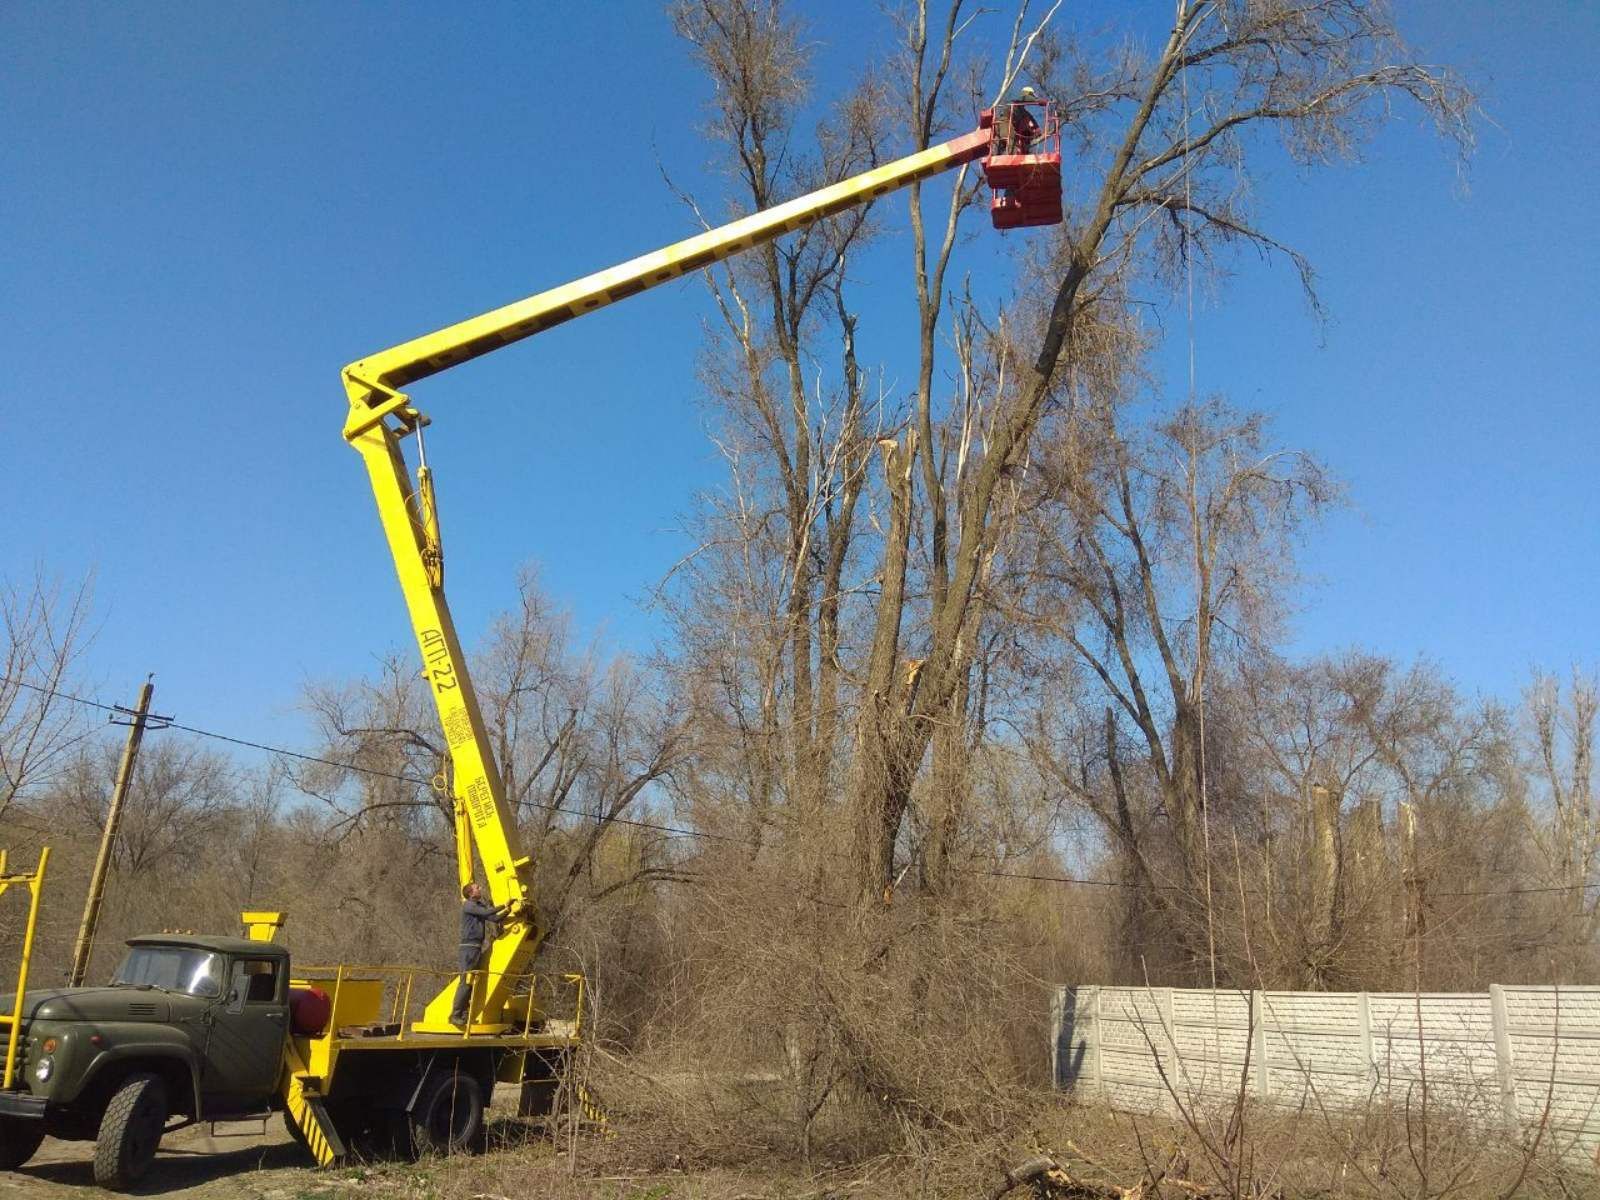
(35, 882)
(402, 983)
(577, 1018)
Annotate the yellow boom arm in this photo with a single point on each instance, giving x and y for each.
(381, 415)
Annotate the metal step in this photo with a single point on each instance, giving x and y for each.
(257, 1121)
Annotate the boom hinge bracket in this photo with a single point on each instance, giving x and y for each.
(364, 416)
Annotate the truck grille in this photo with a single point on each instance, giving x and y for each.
(142, 1010)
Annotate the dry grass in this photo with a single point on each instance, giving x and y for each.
(700, 1146)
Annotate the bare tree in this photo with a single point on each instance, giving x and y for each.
(180, 792)
(632, 743)
(1155, 554)
(807, 431)
(1328, 745)
(45, 629)
(582, 744)
(1167, 140)
(942, 442)
(1564, 741)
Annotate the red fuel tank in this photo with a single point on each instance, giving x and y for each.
(309, 1010)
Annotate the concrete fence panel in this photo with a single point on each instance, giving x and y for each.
(1527, 1058)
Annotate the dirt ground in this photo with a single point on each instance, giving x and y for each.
(252, 1163)
(244, 1160)
(191, 1163)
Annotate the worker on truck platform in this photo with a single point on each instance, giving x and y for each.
(476, 917)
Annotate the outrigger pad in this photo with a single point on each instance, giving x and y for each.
(316, 1126)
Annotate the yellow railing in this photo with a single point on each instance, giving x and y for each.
(386, 1000)
(34, 880)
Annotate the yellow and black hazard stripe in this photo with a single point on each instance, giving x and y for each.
(589, 1106)
(312, 1120)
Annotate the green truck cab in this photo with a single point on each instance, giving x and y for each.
(190, 1028)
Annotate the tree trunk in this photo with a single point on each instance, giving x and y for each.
(881, 783)
(1324, 926)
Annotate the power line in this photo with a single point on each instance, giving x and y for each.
(412, 779)
(34, 687)
(705, 834)
(377, 772)
(1521, 891)
(1038, 878)
(221, 737)
(399, 776)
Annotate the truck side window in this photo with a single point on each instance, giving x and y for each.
(255, 981)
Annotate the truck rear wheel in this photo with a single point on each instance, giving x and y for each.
(448, 1115)
(130, 1131)
(19, 1138)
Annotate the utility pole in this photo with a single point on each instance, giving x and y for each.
(97, 883)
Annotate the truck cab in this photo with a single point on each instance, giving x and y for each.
(190, 1028)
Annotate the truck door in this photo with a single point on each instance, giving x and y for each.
(246, 1047)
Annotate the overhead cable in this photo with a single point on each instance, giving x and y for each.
(707, 835)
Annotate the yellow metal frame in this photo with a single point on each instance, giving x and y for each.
(358, 1009)
(34, 881)
(367, 997)
(381, 416)
(262, 925)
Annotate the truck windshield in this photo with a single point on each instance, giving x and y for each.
(176, 968)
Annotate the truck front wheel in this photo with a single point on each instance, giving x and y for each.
(130, 1131)
(448, 1115)
(19, 1138)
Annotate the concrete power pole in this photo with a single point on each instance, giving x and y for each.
(119, 793)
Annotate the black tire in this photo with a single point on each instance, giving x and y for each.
(448, 1115)
(19, 1138)
(130, 1132)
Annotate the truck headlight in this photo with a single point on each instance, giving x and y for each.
(43, 1070)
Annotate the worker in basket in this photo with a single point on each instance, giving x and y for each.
(1015, 127)
(476, 917)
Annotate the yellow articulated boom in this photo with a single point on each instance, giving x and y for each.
(381, 416)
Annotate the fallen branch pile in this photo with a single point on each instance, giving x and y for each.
(1051, 1180)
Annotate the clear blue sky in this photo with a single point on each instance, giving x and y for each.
(207, 209)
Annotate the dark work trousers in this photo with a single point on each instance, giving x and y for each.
(470, 956)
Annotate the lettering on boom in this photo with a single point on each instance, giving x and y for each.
(479, 802)
(436, 664)
(458, 727)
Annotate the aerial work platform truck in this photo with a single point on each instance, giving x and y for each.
(360, 1058)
